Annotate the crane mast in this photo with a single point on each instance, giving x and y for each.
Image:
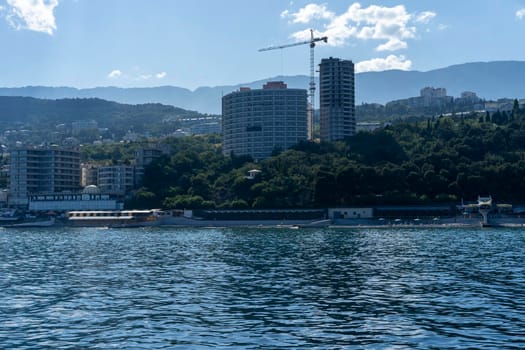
(311, 105)
(311, 94)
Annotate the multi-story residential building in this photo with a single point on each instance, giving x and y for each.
(144, 157)
(434, 97)
(471, 99)
(81, 125)
(42, 170)
(201, 125)
(337, 99)
(116, 179)
(257, 122)
(206, 128)
(89, 175)
(431, 92)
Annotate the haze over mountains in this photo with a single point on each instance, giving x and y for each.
(490, 80)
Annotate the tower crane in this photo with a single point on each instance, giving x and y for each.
(311, 42)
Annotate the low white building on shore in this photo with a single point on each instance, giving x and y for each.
(89, 199)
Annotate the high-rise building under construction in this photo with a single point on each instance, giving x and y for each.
(337, 99)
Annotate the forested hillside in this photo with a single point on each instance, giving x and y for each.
(45, 114)
(442, 160)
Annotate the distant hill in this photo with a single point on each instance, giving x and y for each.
(490, 80)
(115, 116)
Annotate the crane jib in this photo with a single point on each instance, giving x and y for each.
(311, 104)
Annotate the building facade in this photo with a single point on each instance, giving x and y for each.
(434, 97)
(143, 158)
(432, 92)
(82, 125)
(257, 122)
(89, 175)
(337, 99)
(89, 199)
(42, 170)
(117, 179)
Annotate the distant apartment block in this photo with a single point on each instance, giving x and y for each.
(81, 125)
(434, 97)
(337, 99)
(469, 95)
(256, 122)
(471, 100)
(42, 170)
(206, 128)
(201, 125)
(89, 175)
(431, 92)
(117, 179)
(435, 101)
(503, 105)
(368, 126)
(144, 157)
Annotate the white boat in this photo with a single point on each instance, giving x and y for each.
(115, 218)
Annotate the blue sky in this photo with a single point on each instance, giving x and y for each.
(192, 43)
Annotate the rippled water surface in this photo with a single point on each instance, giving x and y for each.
(262, 289)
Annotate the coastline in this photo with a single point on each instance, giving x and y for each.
(196, 222)
(180, 222)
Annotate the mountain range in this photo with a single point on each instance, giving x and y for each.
(490, 80)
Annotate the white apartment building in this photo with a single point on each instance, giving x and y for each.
(257, 122)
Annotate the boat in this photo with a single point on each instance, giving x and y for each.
(34, 223)
(8, 216)
(14, 218)
(115, 218)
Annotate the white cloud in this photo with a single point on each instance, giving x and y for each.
(380, 64)
(392, 25)
(393, 44)
(520, 13)
(308, 13)
(115, 74)
(425, 16)
(305, 34)
(442, 27)
(35, 15)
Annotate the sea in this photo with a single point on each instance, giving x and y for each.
(260, 288)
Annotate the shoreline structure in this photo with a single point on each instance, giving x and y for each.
(182, 222)
(482, 214)
(347, 223)
(255, 224)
